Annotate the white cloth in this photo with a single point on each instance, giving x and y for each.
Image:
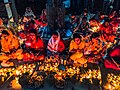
(53, 44)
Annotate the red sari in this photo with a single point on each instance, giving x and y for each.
(35, 46)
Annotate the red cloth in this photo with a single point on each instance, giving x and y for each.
(107, 30)
(22, 35)
(36, 45)
(61, 46)
(40, 23)
(111, 65)
(107, 33)
(115, 52)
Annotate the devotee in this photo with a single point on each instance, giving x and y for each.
(83, 27)
(5, 22)
(55, 45)
(113, 16)
(43, 15)
(85, 14)
(10, 48)
(94, 25)
(107, 31)
(114, 20)
(29, 15)
(30, 25)
(34, 47)
(1, 26)
(76, 49)
(29, 12)
(94, 48)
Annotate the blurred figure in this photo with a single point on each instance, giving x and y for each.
(113, 16)
(29, 12)
(107, 31)
(83, 27)
(85, 14)
(31, 24)
(43, 15)
(29, 15)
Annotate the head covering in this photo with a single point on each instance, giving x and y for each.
(54, 44)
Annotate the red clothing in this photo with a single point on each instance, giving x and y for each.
(40, 23)
(107, 33)
(38, 44)
(111, 65)
(106, 30)
(61, 46)
(115, 52)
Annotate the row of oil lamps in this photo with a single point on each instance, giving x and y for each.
(113, 80)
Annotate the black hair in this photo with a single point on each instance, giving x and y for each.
(31, 22)
(94, 35)
(55, 33)
(107, 19)
(84, 18)
(5, 32)
(33, 31)
(85, 10)
(76, 35)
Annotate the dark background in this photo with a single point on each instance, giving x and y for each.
(38, 5)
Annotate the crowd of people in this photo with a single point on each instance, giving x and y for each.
(91, 37)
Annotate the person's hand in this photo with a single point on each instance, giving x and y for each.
(55, 51)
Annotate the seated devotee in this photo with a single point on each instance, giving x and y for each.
(83, 27)
(43, 15)
(85, 14)
(10, 48)
(30, 25)
(94, 25)
(94, 48)
(107, 31)
(113, 16)
(34, 47)
(29, 15)
(55, 45)
(76, 50)
(29, 12)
